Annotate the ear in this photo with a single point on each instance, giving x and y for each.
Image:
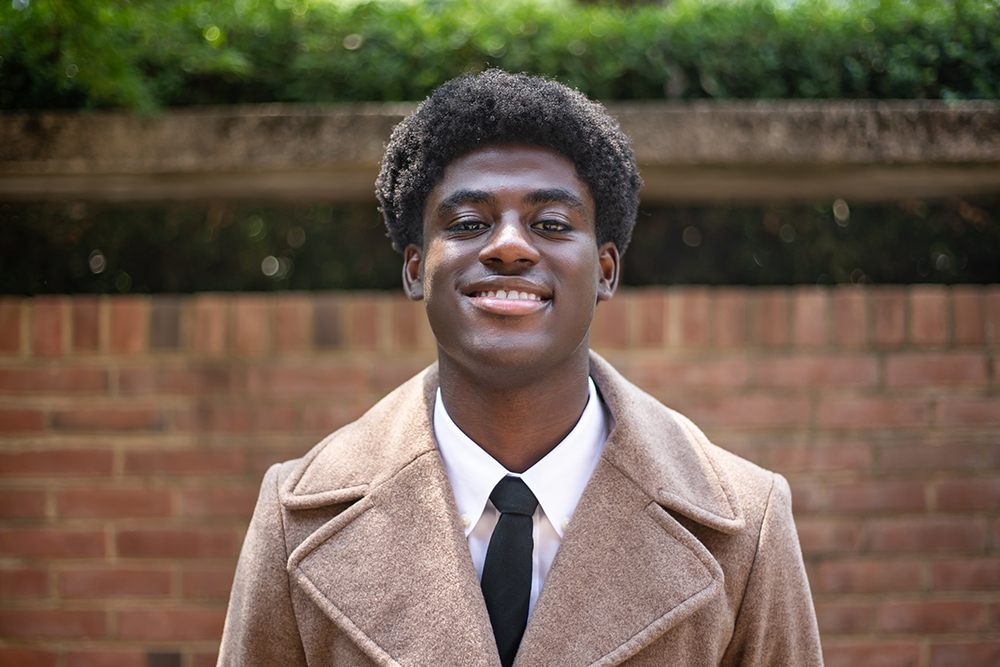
(610, 265)
(413, 272)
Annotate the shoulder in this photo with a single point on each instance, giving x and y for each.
(667, 455)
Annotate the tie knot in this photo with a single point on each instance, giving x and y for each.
(512, 496)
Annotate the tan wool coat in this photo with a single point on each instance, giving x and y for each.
(679, 553)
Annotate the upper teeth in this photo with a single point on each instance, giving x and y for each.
(504, 294)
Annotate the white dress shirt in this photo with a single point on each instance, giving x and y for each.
(557, 481)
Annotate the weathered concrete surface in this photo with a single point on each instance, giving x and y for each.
(698, 152)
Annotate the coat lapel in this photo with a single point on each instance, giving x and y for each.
(627, 571)
(393, 570)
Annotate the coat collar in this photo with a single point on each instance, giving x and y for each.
(402, 534)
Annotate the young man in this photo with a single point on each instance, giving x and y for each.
(519, 501)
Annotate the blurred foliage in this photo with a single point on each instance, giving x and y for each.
(79, 248)
(147, 54)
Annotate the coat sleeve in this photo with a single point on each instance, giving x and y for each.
(776, 623)
(260, 628)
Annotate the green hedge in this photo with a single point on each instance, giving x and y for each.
(147, 54)
(80, 248)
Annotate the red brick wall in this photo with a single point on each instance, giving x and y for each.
(134, 432)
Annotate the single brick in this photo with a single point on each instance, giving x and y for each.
(204, 659)
(966, 574)
(51, 542)
(731, 317)
(328, 320)
(610, 326)
(24, 583)
(874, 412)
(309, 379)
(969, 411)
(934, 457)
(690, 307)
(165, 323)
(293, 322)
(648, 314)
(23, 657)
(331, 415)
(114, 583)
(98, 658)
(207, 583)
(810, 320)
(108, 419)
(769, 316)
(867, 576)
(826, 536)
(22, 504)
(129, 324)
(113, 503)
(871, 653)
(932, 616)
(171, 624)
(48, 325)
(850, 317)
(405, 316)
(926, 535)
(365, 325)
(928, 320)
(993, 315)
(881, 496)
(888, 304)
(262, 458)
(928, 369)
(56, 462)
(53, 380)
(86, 323)
(831, 371)
(843, 617)
(819, 457)
(209, 329)
(198, 379)
(186, 462)
(966, 654)
(21, 421)
(968, 314)
(10, 324)
(177, 543)
(219, 502)
(744, 411)
(391, 373)
(969, 495)
(252, 324)
(238, 418)
(51, 624)
(655, 372)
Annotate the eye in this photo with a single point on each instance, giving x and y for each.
(551, 226)
(467, 227)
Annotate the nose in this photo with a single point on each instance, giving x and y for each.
(509, 244)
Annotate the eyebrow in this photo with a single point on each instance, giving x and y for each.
(549, 196)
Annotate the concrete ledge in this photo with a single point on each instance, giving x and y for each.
(699, 152)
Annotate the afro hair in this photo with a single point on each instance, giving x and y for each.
(497, 107)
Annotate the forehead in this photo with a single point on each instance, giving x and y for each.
(512, 169)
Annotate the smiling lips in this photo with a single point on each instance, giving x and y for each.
(508, 302)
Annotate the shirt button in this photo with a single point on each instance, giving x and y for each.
(465, 520)
(565, 523)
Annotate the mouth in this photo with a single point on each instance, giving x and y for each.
(511, 294)
(509, 299)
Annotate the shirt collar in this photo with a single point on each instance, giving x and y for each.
(557, 480)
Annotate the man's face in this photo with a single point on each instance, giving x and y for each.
(510, 269)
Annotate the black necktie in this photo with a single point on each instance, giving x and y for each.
(507, 571)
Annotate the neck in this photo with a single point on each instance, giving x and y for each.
(516, 422)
